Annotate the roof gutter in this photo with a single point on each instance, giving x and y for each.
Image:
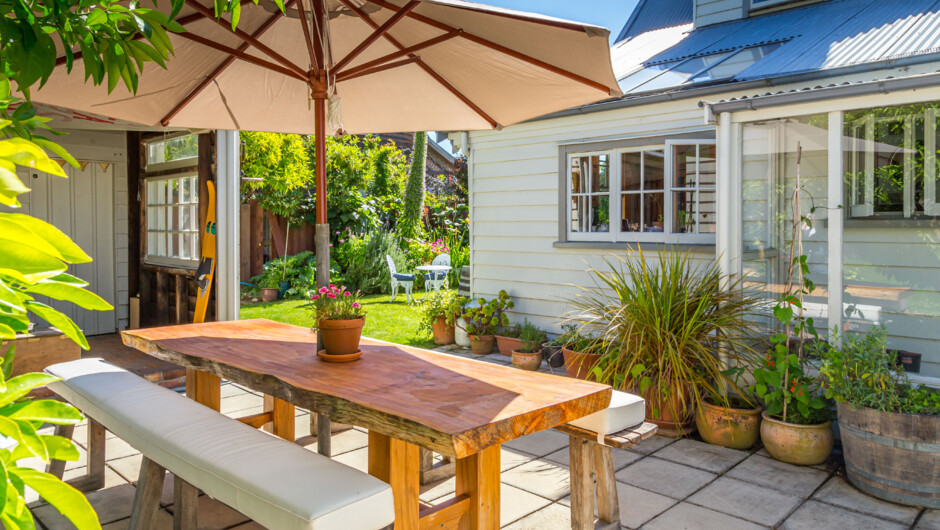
(868, 88)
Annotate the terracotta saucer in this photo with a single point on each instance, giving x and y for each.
(349, 357)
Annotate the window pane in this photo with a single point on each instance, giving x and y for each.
(578, 207)
(630, 212)
(654, 170)
(600, 213)
(186, 218)
(161, 217)
(653, 212)
(706, 165)
(152, 214)
(161, 244)
(152, 243)
(173, 218)
(186, 248)
(684, 166)
(600, 174)
(708, 210)
(187, 195)
(683, 221)
(576, 172)
(173, 249)
(152, 192)
(630, 171)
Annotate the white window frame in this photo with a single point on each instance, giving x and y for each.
(181, 163)
(614, 235)
(590, 236)
(169, 261)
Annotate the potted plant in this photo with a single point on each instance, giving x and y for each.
(439, 312)
(528, 356)
(269, 288)
(339, 318)
(483, 319)
(552, 352)
(507, 339)
(580, 354)
(890, 428)
(669, 331)
(737, 425)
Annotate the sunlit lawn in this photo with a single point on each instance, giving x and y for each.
(395, 322)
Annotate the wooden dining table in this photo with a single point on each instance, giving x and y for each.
(406, 397)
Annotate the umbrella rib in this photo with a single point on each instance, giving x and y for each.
(500, 48)
(354, 72)
(221, 68)
(244, 56)
(430, 71)
(247, 38)
(400, 13)
(307, 40)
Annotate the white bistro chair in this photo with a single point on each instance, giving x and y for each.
(437, 280)
(406, 281)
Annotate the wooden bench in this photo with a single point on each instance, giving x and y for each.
(590, 451)
(274, 482)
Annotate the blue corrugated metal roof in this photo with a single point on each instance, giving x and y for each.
(827, 35)
(650, 15)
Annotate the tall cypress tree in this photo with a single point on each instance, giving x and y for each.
(410, 224)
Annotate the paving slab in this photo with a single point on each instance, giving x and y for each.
(745, 500)
(162, 521)
(799, 481)
(239, 402)
(838, 491)
(509, 458)
(541, 477)
(344, 442)
(817, 515)
(438, 490)
(128, 467)
(622, 458)
(111, 504)
(665, 477)
(117, 448)
(214, 515)
(540, 443)
(515, 504)
(685, 516)
(358, 459)
(702, 455)
(930, 520)
(637, 506)
(651, 445)
(553, 517)
(497, 358)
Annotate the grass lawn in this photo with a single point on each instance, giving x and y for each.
(397, 322)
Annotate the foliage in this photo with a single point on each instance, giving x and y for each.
(335, 303)
(444, 303)
(409, 226)
(280, 161)
(388, 164)
(782, 380)
(300, 270)
(511, 331)
(861, 371)
(459, 250)
(669, 327)
(363, 259)
(531, 337)
(574, 339)
(486, 317)
(447, 214)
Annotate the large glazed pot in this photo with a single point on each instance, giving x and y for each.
(892, 456)
(728, 427)
(804, 445)
(443, 334)
(341, 337)
(579, 364)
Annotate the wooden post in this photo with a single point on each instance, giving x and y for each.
(205, 388)
(96, 455)
(608, 502)
(147, 499)
(185, 502)
(133, 212)
(582, 483)
(282, 418)
(256, 229)
(478, 478)
(396, 462)
(182, 299)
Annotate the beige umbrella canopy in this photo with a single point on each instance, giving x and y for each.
(396, 65)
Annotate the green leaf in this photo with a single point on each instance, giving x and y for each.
(68, 500)
(97, 16)
(69, 293)
(25, 264)
(48, 411)
(56, 149)
(30, 438)
(20, 385)
(10, 298)
(3, 481)
(60, 321)
(10, 187)
(60, 448)
(783, 314)
(69, 251)
(26, 153)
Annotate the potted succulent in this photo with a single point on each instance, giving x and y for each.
(439, 312)
(507, 339)
(890, 428)
(269, 288)
(339, 318)
(669, 332)
(528, 355)
(483, 319)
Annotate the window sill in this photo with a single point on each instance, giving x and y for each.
(923, 222)
(623, 245)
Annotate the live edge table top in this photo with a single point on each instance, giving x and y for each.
(449, 404)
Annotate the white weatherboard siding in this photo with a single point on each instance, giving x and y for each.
(714, 11)
(90, 207)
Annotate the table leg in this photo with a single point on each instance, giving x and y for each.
(397, 462)
(581, 461)
(282, 416)
(204, 387)
(478, 477)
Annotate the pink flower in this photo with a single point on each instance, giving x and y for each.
(347, 293)
(314, 297)
(323, 290)
(343, 288)
(332, 286)
(356, 305)
(342, 240)
(331, 295)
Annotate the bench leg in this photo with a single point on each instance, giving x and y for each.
(185, 501)
(57, 467)
(147, 498)
(581, 458)
(430, 472)
(608, 503)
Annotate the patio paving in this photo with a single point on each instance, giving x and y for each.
(663, 484)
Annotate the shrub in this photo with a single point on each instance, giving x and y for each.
(299, 270)
(444, 303)
(485, 317)
(531, 337)
(367, 269)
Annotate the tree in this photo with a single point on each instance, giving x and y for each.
(409, 226)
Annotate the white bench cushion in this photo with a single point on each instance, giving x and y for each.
(276, 483)
(625, 410)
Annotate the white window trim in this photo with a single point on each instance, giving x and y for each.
(181, 163)
(614, 235)
(165, 261)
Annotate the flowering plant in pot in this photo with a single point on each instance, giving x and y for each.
(528, 355)
(439, 312)
(339, 317)
(483, 319)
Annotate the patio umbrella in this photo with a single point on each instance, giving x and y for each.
(356, 66)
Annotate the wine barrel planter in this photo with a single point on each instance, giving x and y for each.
(892, 456)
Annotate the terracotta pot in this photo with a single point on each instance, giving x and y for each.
(507, 345)
(728, 427)
(269, 294)
(579, 364)
(341, 337)
(443, 334)
(672, 414)
(527, 361)
(482, 344)
(804, 445)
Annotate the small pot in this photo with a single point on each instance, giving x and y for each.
(554, 356)
(507, 345)
(728, 427)
(282, 288)
(482, 344)
(341, 337)
(527, 360)
(579, 364)
(804, 445)
(443, 334)
(269, 294)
